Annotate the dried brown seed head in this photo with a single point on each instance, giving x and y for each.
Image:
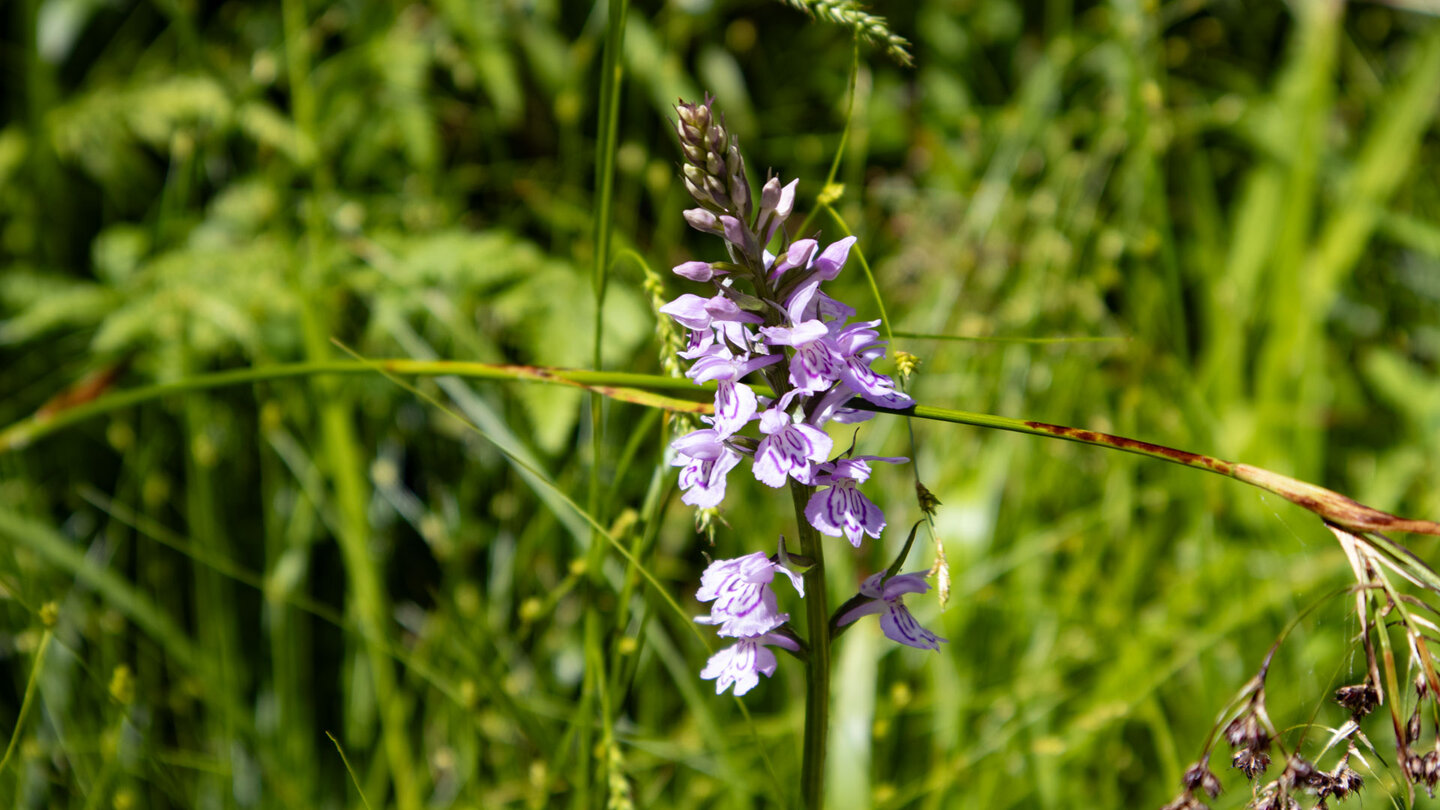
(1360, 699)
(1251, 761)
(1199, 777)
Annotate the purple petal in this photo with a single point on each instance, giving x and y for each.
(827, 265)
(900, 626)
(798, 335)
(735, 406)
(871, 587)
(778, 640)
(721, 308)
(689, 311)
(704, 480)
(860, 611)
(744, 609)
(702, 444)
(901, 584)
(815, 367)
(843, 510)
(771, 465)
(739, 665)
(875, 388)
(751, 568)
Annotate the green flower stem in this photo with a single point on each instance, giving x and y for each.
(817, 674)
(639, 388)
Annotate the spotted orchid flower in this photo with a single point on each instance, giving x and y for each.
(706, 459)
(735, 402)
(895, 620)
(841, 509)
(743, 662)
(789, 447)
(744, 604)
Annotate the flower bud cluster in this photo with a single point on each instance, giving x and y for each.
(765, 314)
(714, 171)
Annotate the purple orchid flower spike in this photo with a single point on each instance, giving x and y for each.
(706, 459)
(896, 621)
(744, 662)
(789, 447)
(842, 509)
(745, 605)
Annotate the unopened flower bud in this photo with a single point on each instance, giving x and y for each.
(776, 204)
(695, 271)
(703, 221)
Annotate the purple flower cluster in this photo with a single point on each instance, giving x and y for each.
(815, 361)
(745, 609)
(827, 365)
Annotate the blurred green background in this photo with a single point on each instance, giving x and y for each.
(1243, 195)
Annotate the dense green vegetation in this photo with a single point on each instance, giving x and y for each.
(1239, 198)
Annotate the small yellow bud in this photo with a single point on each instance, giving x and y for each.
(900, 696)
(469, 693)
(50, 613)
(906, 363)
(122, 685)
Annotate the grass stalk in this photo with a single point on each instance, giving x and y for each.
(611, 75)
(1327, 504)
(341, 447)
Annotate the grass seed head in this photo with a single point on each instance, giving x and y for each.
(1360, 699)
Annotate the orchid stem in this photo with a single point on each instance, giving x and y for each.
(817, 676)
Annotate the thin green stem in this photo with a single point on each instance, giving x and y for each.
(817, 676)
(29, 699)
(627, 386)
(611, 73)
(340, 446)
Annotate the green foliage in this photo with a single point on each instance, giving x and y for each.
(1242, 195)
